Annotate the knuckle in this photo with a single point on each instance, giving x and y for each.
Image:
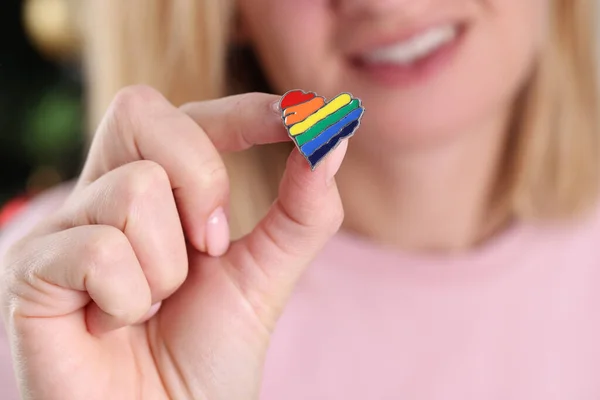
(143, 177)
(131, 102)
(104, 249)
(213, 176)
(134, 97)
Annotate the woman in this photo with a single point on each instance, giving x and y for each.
(467, 259)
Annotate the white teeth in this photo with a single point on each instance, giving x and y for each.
(414, 49)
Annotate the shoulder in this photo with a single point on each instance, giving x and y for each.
(32, 213)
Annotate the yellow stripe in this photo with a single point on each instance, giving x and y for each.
(321, 114)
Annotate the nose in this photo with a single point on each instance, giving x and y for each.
(376, 7)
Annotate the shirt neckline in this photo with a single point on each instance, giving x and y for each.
(498, 254)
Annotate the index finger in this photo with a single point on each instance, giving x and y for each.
(239, 122)
(142, 125)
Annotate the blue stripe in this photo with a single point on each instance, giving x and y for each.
(322, 151)
(310, 147)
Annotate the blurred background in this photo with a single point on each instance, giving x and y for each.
(41, 99)
(42, 117)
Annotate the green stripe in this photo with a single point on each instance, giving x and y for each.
(320, 126)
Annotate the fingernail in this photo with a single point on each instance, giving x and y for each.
(151, 312)
(153, 309)
(217, 233)
(335, 162)
(275, 107)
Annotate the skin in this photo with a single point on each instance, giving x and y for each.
(153, 178)
(426, 153)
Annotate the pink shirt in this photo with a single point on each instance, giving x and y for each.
(514, 319)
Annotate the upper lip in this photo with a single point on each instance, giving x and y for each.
(362, 46)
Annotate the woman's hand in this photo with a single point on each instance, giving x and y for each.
(80, 294)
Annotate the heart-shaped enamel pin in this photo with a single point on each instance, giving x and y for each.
(316, 126)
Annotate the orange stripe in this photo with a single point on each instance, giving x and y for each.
(302, 111)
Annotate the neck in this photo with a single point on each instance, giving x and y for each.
(434, 198)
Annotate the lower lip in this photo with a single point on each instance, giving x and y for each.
(404, 75)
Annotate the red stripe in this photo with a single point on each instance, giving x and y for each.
(295, 97)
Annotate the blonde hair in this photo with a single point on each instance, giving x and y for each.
(555, 152)
(181, 47)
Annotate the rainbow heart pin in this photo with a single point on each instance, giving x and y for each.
(316, 126)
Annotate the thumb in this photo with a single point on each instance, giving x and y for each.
(307, 213)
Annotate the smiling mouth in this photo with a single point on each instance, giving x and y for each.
(414, 57)
(414, 49)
